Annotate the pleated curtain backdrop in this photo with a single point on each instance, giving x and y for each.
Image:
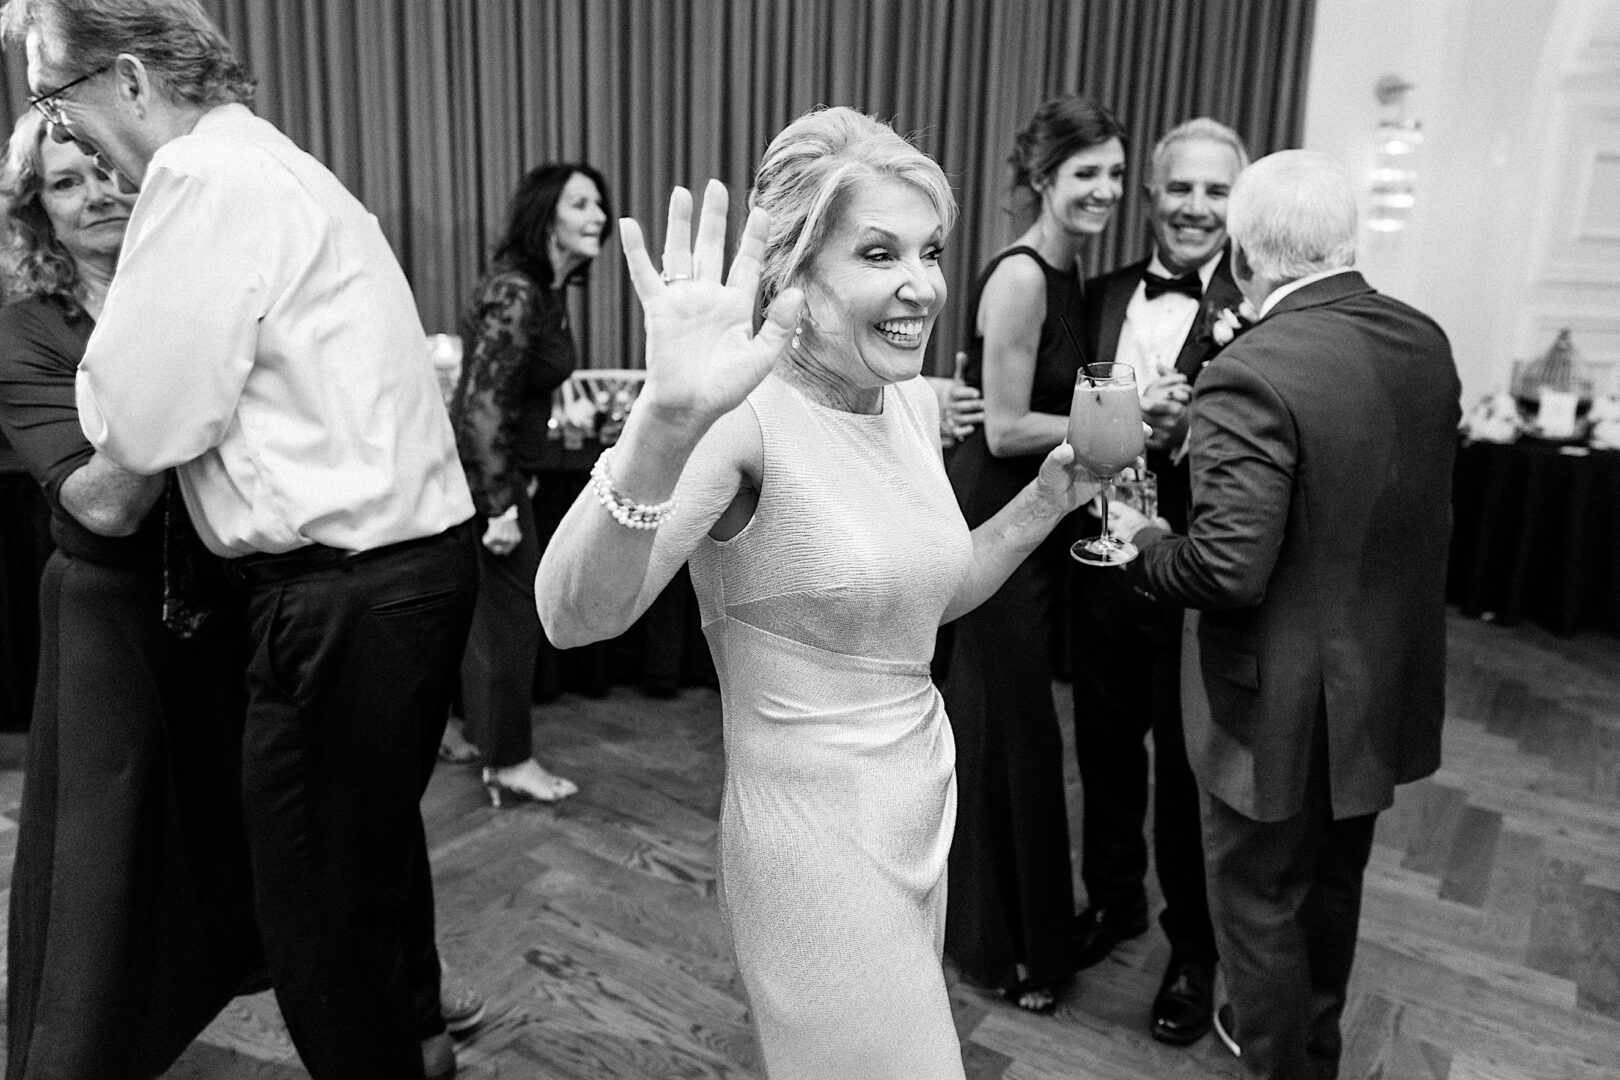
(430, 110)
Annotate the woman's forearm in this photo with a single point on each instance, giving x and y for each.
(594, 569)
(597, 576)
(108, 499)
(1003, 542)
(1024, 433)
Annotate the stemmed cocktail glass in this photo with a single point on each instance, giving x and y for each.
(1105, 429)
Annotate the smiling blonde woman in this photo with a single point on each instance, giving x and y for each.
(799, 469)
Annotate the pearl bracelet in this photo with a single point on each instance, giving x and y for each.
(629, 514)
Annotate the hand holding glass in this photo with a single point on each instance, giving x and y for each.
(1105, 429)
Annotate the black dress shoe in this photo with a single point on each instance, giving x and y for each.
(1099, 929)
(1226, 1030)
(1181, 1011)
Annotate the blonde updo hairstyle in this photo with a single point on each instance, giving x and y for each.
(808, 174)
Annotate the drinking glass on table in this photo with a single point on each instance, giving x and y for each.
(1105, 429)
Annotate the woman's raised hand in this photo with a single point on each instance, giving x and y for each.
(703, 357)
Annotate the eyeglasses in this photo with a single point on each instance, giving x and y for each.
(50, 108)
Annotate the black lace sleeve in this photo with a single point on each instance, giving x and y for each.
(499, 335)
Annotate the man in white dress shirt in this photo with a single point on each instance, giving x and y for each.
(261, 337)
(1157, 315)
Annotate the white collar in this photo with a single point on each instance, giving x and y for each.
(1299, 283)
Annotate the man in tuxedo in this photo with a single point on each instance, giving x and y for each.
(1156, 315)
(1322, 445)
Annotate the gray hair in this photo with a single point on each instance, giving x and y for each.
(1293, 213)
(1202, 129)
(807, 174)
(182, 48)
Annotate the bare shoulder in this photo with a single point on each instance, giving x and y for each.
(1014, 297)
(1020, 274)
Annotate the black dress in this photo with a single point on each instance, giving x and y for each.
(1010, 888)
(131, 901)
(517, 349)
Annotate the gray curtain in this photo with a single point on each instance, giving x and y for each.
(430, 110)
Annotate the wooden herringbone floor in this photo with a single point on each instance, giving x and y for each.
(1490, 939)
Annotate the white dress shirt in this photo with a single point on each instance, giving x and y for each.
(1154, 330)
(260, 335)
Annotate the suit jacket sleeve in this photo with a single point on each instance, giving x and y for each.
(1244, 453)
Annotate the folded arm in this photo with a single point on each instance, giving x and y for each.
(107, 499)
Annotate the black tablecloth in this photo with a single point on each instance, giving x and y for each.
(663, 650)
(1537, 536)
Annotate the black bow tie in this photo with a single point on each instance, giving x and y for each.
(1189, 284)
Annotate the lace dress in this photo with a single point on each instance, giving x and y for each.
(840, 794)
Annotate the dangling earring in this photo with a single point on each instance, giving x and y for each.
(798, 331)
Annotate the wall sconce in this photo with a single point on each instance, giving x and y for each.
(1395, 158)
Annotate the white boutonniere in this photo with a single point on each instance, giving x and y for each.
(1225, 327)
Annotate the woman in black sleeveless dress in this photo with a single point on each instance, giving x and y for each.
(1009, 922)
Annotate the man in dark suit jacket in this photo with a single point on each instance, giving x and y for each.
(1322, 445)
(1157, 315)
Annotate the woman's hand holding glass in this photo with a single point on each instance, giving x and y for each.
(1107, 433)
(703, 357)
(1063, 482)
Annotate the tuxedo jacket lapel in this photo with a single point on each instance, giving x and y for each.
(1115, 299)
(1223, 292)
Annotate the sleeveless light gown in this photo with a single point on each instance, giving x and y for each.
(840, 794)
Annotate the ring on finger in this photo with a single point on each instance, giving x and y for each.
(671, 277)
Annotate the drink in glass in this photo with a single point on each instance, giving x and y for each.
(1105, 429)
(1140, 493)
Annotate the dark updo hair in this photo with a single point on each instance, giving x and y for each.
(1060, 129)
(531, 214)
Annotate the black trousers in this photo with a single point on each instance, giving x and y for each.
(497, 669)
(1286, 896)
(1127, 683)
(349, 684)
